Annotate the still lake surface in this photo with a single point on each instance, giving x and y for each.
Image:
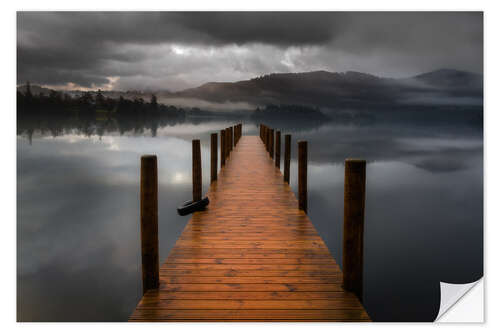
(78, 243)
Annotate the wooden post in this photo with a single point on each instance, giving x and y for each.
(228, 142)
(271, 143)
(226, 152)
(222, 148)
(196, 171)
(269, 140)
(149, 223)
(302, 159)
(286, 162)
(232, 137)
(266, 136)
(278, 150)
(354, 220)
(213, 157)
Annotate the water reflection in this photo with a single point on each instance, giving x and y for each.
(78, 210)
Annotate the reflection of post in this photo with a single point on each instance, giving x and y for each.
(222, 148)
(286, 166)
(213, 157)
(149, 223)
(354, 215)
(302, 159)
(196, 171)
(278, 149)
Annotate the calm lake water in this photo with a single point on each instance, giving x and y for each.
(78, 244)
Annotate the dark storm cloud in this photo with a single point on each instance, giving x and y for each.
(175, 50)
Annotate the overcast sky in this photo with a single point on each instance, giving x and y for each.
(173, 51)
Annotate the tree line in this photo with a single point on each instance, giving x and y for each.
(89, 105)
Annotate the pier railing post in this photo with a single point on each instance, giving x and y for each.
(232, 138)
(268, 135)
(213, 157)
(271, 143)
(222, 148)
(226, 146)
(277, 160)
(286, 161)
(196, 171)
(265, 137)
(228, 143)
(302, 160)
(354, 215)
(149, 223)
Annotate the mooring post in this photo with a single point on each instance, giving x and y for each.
(196, 171)
(228, 142)
(266, 138)
(269, 140)
(226, 147)
(286, 160)
(354, 220)
(278, 149)
(222, 147)
(302, 157)
(232, 137)
(271, 144)
(213, 157)
(149, 223)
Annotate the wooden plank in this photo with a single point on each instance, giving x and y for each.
(266, 261)
(250, 315)
(251, 295)
(255, 266)
(216, 287)
(226, 304)
(252, 255)
(248, 272)
(250, 279)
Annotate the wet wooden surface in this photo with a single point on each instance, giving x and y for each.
(251, 256)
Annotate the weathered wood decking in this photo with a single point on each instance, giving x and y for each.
(251, 256)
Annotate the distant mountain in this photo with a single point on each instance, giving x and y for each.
(343, 89)
(326, 90)
(35, 89)
(450, 78)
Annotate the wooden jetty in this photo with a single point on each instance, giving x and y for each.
(252, 255)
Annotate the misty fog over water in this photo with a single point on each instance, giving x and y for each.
(78, 242)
